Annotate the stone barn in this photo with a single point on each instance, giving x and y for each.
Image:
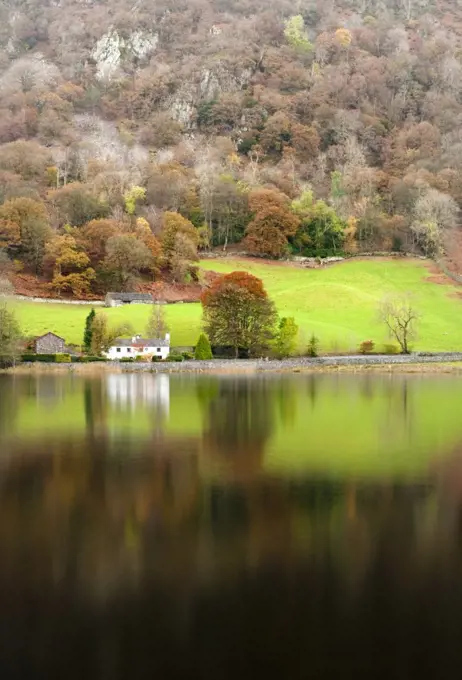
(119, 299)
(49, 344)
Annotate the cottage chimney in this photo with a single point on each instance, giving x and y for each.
(136, 338)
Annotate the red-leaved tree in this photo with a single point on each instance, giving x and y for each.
(238, 313)
(272, 223)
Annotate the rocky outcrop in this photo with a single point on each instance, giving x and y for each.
(210, 84)
(112, 50)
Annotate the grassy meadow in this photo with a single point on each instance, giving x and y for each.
(338, 304)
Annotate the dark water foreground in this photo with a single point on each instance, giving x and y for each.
(156, 527)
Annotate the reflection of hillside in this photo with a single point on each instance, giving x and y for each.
(142, 560)
(156, 514)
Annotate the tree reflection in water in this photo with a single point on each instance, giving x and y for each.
(162, 554)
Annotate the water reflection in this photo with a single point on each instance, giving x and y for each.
(230, 528)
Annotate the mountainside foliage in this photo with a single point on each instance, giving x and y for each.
(134, 135)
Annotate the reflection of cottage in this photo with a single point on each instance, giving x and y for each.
(133, 390)
(49, 344)
(139, 347)
(119, 299)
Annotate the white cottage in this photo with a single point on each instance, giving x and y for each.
(139, 347)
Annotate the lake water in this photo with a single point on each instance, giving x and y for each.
(179, 527)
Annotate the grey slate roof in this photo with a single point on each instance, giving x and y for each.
(131, 297)
(46, 335)
(146, 342)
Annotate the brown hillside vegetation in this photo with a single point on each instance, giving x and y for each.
(134, 136)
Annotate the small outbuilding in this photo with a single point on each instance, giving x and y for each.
(49, 344)
(119, 299)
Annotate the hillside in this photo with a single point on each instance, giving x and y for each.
(338, 304)
(310, 128)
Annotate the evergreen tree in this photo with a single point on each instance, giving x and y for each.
(88, 333)
(203, 351)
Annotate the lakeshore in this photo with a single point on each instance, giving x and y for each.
(412, 363)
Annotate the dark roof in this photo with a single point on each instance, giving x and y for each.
(130, 297)
(145, 342)
(46, 335)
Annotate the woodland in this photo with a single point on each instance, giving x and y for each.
(137, 133)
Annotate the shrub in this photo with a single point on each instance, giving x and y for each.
(63, 358)
(84, 359)
(40, 358)
(188, 356)
(313, 346)
(175, 357)
(127, 360)
(390, 349)
(366, 347)
(203, 350)
(6, 362)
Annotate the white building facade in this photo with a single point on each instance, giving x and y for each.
(139, 347)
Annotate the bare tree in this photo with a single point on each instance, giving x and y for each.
(157, 325)
(400, 316)
(6, 268)
(435, 214)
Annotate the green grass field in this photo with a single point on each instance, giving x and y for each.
(338, 304)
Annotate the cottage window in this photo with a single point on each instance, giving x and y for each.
(159, 349)
(118, 349)
(129, 349)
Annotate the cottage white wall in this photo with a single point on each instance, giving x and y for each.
(115, 355)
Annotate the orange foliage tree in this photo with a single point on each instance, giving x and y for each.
(238, 313)
(15, 214)
(94, 236)
(272, 223)
(71, 272)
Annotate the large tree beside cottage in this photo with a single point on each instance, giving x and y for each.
(238, 313)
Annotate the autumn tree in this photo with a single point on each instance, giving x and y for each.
(435, 214)
(95, 234)
(238, 313)
(27, 159)
(24, 224)
(76, 204)
(321, 230)
(179, 240)
(272, 223)
(133, 196)
(69, 265)
(126, 257)
(400, 316)
(35, 236)
(296, 35)
(173, 224)
(144, 234)
(157, 325)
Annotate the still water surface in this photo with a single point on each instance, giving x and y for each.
(180, 527)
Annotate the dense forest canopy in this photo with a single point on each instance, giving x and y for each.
(134, 133)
